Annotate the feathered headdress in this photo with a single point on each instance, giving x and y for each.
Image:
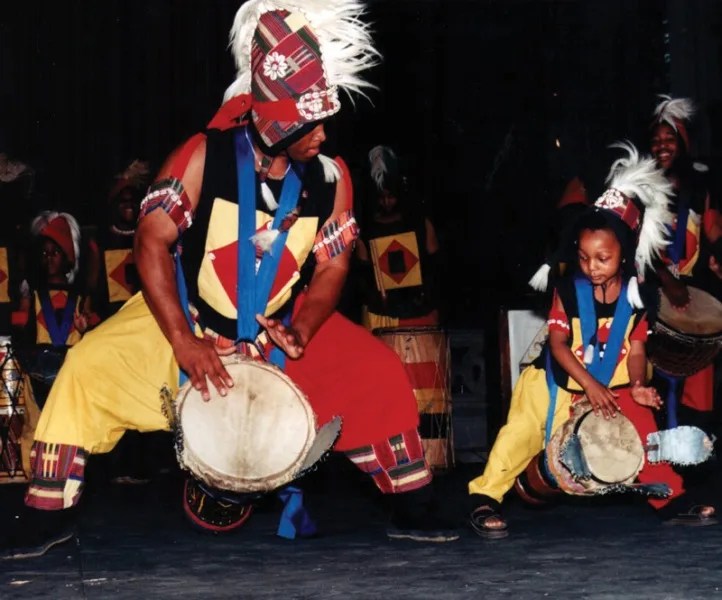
(638, 195)
(383, 167)
(64, 230)
(293, 57)
(675, 112)
(136, 175)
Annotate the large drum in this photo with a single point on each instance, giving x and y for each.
(425, 354)
(587, 456)
(683, 342)
(259, 437)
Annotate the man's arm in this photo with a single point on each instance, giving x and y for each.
(155, 237)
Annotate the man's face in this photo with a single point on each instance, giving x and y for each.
(664, 147)
(308, 146)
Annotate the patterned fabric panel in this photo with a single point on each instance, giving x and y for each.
(170, 196)
(396, 465)
(335, 237)
(57, 474)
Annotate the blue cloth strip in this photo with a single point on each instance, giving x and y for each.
(254, 288)
(183, 297)
(295, 520)
(59, 331)
(675, 385)
(678, 248)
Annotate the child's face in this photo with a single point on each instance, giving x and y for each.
(664, 147)
(600, 255)
(52, 259)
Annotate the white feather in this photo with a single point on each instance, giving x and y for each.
(540, 280)
(633, 295)
(640, 177)
(670, 110)
(268, 198)
(344, 40)
(264, 239)
(331, 170)
(378, 161)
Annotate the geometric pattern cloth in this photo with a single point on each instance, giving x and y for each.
(396, 261)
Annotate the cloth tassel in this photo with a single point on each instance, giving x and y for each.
(295, 520)
(588, 354)
(264, 239)
(268, 196)
(540, 280)
(633, 295)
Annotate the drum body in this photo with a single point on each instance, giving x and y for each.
(424, 352)
(684, 342)
(587, 456)
(12, 415)
(255, 439)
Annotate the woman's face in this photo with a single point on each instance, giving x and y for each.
(599, 254)
(665, 146)
(387, 202)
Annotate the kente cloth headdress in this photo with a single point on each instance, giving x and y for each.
(637, 198)
(292, 58)
(136, 176)
(675, 112)
(64, 230)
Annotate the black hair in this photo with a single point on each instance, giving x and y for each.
(596, 219)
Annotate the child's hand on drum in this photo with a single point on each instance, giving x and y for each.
(286, 338)
(646, 396)
(602, 399)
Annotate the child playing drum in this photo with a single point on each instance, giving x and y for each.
(596, 344)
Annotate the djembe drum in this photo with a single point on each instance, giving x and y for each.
(424, 351)
(259, 437)
(684, 342)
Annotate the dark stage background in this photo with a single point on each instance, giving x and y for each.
(493, 104)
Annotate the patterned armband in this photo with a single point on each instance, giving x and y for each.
(558, 325)
(335, 237)
(171, 198)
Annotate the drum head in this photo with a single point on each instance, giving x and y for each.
(254, 439)
(703, 316)
(612, 448)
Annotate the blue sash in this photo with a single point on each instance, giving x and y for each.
(59, 331)
(677, 249)
(601, 368)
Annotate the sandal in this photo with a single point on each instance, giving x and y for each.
(693, 517)
(479, 520)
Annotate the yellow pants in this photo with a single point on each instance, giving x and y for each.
(103, 389)
(522, 438)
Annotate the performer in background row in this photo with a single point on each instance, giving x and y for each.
(266, 226)
(601, 297)
(398, 250)
(694, 254)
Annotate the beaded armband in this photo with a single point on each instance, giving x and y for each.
(171, 198)
(335, 237)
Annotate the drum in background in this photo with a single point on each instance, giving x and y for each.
(684, 342)
(16, 428)
(587, 456)
(424, 351)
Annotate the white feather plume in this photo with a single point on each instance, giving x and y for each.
(670, 110)
(639, 176)
(268, 197)
(344, 39)
(331, 170)
(264, 239)
(540, 280)
(633, 295)
(39, 223)
(378, 162)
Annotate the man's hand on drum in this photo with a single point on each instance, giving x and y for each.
(286, 338)
(646, 396)
(677, 293)
(602, 399)
(200, 359)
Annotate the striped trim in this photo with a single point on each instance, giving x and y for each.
(396, 465)
(57, 476)
(170, 196)
(335, 237)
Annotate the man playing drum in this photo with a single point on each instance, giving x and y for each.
(596, 345)
(267, 229)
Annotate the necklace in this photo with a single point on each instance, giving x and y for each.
(259, 161)
(125, 232)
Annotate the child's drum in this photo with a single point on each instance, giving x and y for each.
(587, 456)
(684, 342)
(425, 354)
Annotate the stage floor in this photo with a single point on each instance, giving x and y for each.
(133, 542)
